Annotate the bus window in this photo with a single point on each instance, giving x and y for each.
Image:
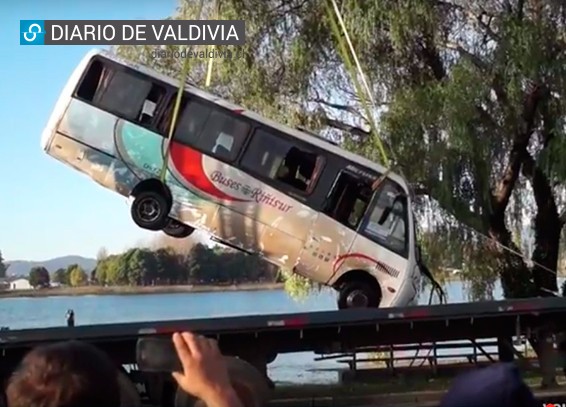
(127, 95)
(211, 130)
(191, 122)
(348, 200)
(224, 135)
(275, 158)
(386, 223)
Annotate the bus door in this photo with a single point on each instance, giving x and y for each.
(334, 229)
(384, 236)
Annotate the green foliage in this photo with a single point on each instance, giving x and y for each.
(296, 286)
(39, 277)
(77, 276)
(61, 276)
(3, 267)
(164, 266)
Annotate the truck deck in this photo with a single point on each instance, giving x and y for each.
(318, 331)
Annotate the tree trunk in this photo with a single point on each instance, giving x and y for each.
(547, 227)
(515, 275)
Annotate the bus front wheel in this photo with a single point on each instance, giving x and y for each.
(150, 210)
(358, 294)
(177, 229)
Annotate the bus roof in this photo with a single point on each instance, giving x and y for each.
(319, 141)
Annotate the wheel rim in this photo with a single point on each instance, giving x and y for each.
(357, 299)
(148, 210)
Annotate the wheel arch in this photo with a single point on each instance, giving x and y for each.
(153, 184)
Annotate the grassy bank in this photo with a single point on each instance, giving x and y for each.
(127, 290)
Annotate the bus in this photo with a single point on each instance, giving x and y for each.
(285, 194)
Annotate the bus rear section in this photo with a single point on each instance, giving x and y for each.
(80, 132)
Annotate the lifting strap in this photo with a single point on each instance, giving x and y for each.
(177, 106)
(343, 50)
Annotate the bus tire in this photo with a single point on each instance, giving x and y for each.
(359, 294)
(249, 384)
(177, 229)
(150, 210)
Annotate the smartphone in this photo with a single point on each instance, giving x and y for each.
(157, 355)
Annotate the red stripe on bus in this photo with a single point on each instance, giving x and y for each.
(189, 163)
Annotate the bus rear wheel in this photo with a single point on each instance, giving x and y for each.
(150, 210)
(177, 229)
(358, 294)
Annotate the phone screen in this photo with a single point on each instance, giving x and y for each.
(157, 355)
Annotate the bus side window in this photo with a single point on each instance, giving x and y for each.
(386, 223)
(275, 158)
(224, 135)
(191, 122)
(211, 130)
(348, 200)
(117, 91)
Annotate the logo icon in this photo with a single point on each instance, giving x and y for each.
(32, 32)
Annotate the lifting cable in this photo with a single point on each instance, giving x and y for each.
(177, 105)
(211, 50)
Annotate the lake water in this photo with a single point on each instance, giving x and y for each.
(92, 309)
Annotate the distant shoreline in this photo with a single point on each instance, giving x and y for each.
(128, 290)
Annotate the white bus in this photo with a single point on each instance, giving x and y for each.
(285, 194)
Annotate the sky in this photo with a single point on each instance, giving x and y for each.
(46, 208)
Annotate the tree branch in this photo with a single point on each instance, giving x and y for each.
(518, 153)
(344, 108)
(348, 128)
(474, 59)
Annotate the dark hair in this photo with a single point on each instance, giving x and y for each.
(66, 374)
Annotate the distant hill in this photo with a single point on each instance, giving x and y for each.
(22, 267)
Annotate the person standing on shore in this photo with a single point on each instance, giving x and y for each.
(70, 317)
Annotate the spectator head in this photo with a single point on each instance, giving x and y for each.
(66, 374)
(498, 385)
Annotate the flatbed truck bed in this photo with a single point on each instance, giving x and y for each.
(259, 339)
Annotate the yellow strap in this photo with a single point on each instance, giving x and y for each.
(212, 47)
(352, 50)
(331, 6)
(176, 108)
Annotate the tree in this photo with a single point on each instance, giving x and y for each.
(61, 276)
(102, 254)
(77, 276)
(39, 277)
(3, 267)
